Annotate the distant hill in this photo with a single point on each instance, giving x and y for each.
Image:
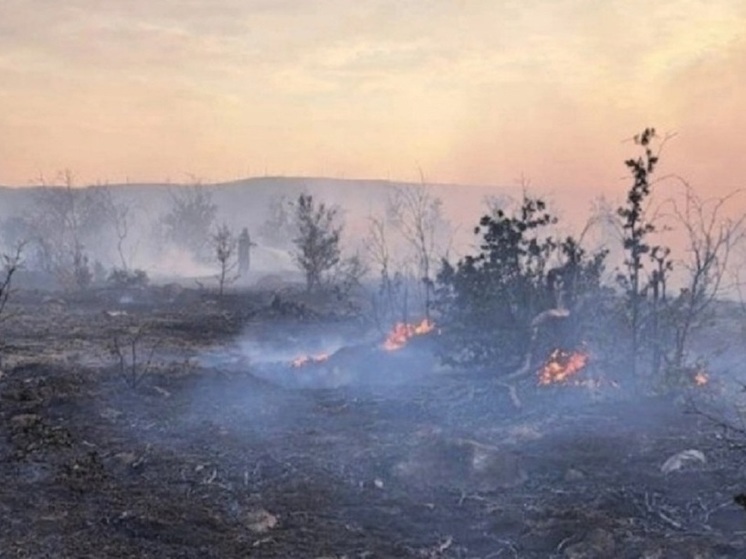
(246, 201)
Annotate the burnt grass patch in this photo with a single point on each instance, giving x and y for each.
(208, 457)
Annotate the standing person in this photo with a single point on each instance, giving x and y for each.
(244, 252)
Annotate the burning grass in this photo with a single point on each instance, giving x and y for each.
(240, 467)
(396, 339)
(403, 332)
(562, 367)
(303, 360)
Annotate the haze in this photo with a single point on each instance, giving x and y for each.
(474, 92)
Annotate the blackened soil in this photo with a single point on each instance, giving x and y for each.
(189, 460)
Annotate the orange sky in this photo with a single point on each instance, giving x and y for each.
(471, 91)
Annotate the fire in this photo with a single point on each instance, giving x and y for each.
(701, 378)
(402, 332)
(304, 360)
(562, 366)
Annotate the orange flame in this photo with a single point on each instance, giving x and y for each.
(402, 332)
(304, 360)
(562, 366)
(701, 378)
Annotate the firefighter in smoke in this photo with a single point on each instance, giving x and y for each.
(244, 252)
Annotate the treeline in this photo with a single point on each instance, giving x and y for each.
(488, 302)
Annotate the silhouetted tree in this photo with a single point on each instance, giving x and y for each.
(417, 215)
(275, 231)
(317, 240)
(190, 219)
(489, 299)
(492, 303)
(10, 264)
(224, 245)
(711, 237)
(637, 227)
(62, 225)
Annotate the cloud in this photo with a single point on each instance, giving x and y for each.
(469, 88)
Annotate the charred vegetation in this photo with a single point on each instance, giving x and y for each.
(526, 396)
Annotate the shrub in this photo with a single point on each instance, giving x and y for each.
(121, 278)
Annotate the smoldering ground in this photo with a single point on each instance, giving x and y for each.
(224, 448)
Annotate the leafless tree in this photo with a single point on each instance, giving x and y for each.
(122, 218)
(224, 246)
(418, 217)
(11, 262)
(190, 219)
(711, 237)
(64, 220)
(127, 348)
(391, 300)
(278, 225)
(346, 276)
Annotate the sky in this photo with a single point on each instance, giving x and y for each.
(469, 91)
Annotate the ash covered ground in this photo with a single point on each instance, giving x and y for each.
(216, 446)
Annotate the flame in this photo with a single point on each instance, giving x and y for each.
(701, 378)
(562, 366)
(402, 332)
(304, 360)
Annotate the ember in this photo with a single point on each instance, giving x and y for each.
(562, 366)
(402, 332)
(701, 378)
(304, 360)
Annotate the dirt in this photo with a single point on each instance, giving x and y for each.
(202, 454)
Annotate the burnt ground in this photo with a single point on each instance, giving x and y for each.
(217, 454)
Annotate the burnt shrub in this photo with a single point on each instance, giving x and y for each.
(489, 303)
(120, 278)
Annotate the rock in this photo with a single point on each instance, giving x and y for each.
(677, 461)
(260, 521)
(574, 475)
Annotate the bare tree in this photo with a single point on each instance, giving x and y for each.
(127, 347)
(122, 217)
(64, 221)
(190, 219)
(710, 237)
(417, 215)
(277, 227)
(11, 262)
(346, 276)
(224, 246)
(391, 301)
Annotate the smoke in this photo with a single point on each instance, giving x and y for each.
(175, 262)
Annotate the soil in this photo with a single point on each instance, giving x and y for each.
(214, 446)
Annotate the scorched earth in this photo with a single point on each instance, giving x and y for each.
(222, 440)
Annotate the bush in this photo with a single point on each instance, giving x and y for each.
(121, 278)
(489, 302)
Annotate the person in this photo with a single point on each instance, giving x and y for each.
(244, 252)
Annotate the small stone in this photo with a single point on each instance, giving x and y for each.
(260, 521)
(574, 475)
(127, 458)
